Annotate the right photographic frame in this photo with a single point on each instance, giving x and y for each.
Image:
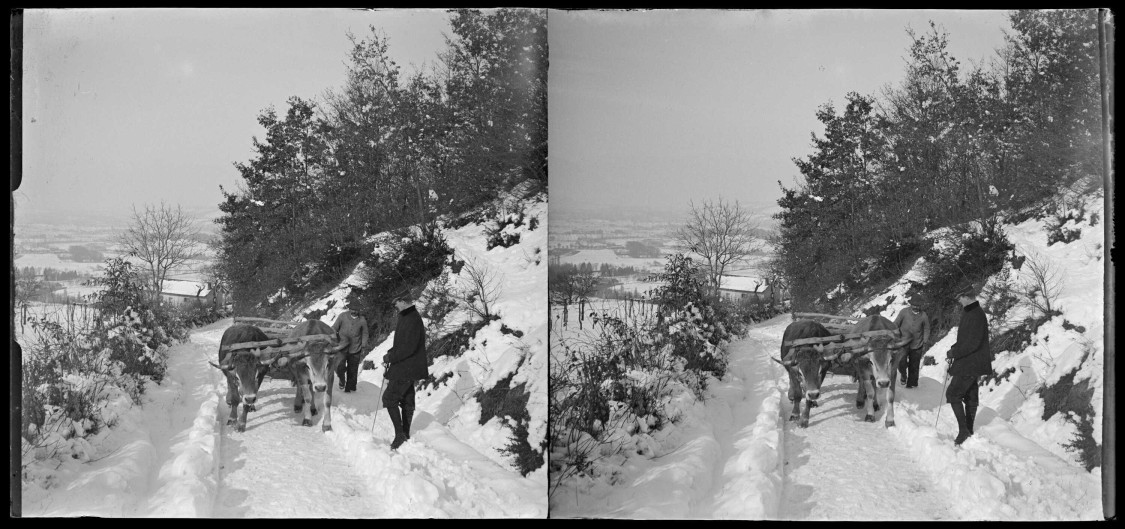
(831, 265)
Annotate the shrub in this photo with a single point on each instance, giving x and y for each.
(687, 321)
(503, 230)
(963, 255)
(407, 259)
(525, 458)
(457, 342)
(1073, 400)
(1084, 444)
(510, 403)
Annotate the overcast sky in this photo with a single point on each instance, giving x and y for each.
(134, 106)
(658, 108)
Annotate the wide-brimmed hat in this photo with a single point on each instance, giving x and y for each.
(403, 294)
(969, 291)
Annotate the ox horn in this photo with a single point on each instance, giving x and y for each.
(219, 367)
(787, 363)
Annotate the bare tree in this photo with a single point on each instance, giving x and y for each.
(572, 287)
(27, 286)
(721, 233)
(480, 289)
(164, 239)
(1041, 285)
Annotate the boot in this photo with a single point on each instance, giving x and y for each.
(962, 422)
(407, 416)
(970, 417)
(396, 420)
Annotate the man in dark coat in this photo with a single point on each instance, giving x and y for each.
(352, 329)
(969, 359)
(406, 363)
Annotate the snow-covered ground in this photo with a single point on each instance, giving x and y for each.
(735, 455)
(175, 457)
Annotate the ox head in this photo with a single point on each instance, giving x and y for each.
(322, 359)
(244, 367)
(805, 361)
(884, 355)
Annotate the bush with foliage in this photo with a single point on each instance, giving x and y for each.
(687, 321)
(504, 230)
(75, 379)
(407, 259)
(612, 386)
(962, 255)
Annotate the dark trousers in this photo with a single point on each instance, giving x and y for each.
(963, 395)
(398, 398)
(908, 366)
(399, 393)
(349, 366)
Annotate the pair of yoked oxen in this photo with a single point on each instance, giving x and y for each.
(872, 361)
(311, 365)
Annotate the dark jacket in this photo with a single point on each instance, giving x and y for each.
(971, 354)
(408, 354)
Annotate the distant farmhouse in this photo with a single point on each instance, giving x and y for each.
(179, 292)
(749, 289)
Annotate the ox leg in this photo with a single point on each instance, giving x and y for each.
(306, 409)
(861, 393)
(795, 396)
(234, 398)
(890, 419)
(869, 389)
(298, 396)
(241, 426)
(326, 422)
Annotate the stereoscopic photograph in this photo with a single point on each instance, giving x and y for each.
(798, 265)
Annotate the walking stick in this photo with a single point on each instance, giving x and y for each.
(379, 400)
(943, 382)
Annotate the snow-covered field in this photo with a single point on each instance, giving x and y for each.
(175, 457)
(607, 256)
(735, 455)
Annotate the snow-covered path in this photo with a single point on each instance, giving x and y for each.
(175, 457)
(280, 469)
(842, 468)
(747, 435)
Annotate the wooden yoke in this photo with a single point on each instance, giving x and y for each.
(838, 339)
(272, 328)
(281, 345)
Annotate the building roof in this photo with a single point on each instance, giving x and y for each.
(178, 287)
(742, 284)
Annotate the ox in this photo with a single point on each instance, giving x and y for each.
(877, 365)
(806, 365)
(313, 370)
(244, 370)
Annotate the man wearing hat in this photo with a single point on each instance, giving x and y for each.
(914, 322)
(405, 364)
(351, 326)
(969, 359)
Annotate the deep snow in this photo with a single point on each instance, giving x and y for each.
(736, 455)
